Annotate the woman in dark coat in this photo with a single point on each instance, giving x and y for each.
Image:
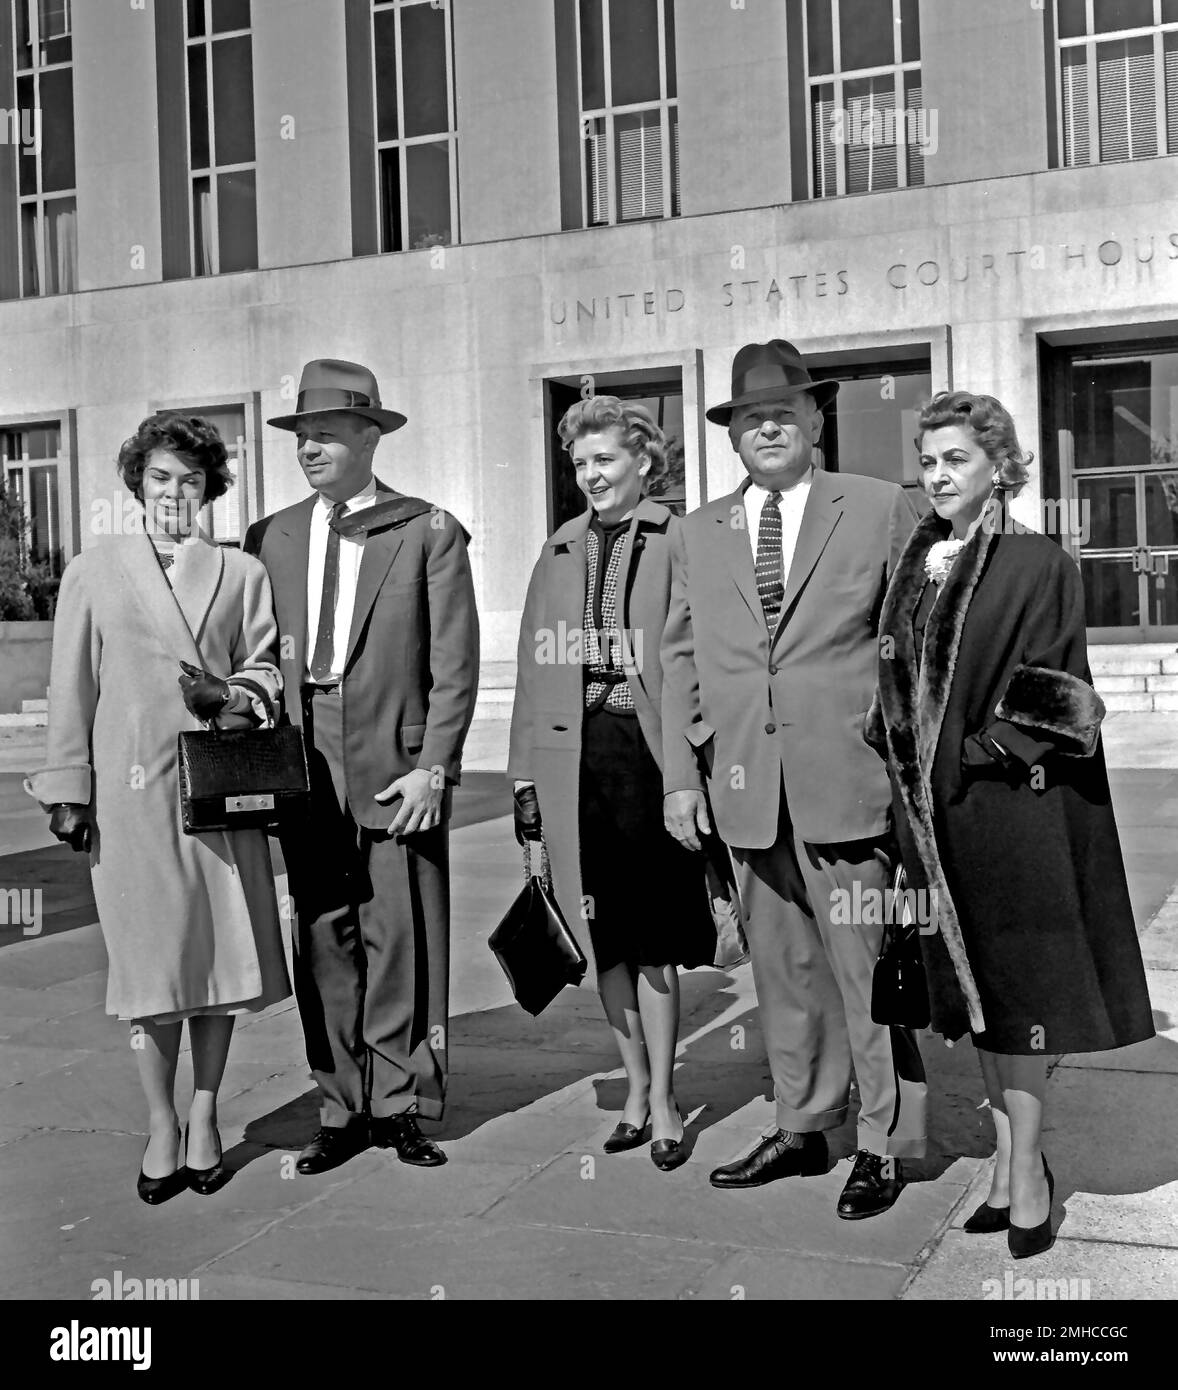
(1002, 799)
(586, 753)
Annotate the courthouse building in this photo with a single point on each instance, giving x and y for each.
(501, 205)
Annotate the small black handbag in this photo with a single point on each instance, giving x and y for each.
(533, 943)
(899, 990)
(240, 779)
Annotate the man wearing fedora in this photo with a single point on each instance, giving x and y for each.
(379, 654)
(769, 656)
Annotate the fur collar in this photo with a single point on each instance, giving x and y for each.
(913, 705)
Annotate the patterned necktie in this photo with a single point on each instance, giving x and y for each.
(770, 583)
(322, 661)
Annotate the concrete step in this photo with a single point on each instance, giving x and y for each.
(24, 721)
(1135, 659)
(497, 675)
(1128, 702)
(34, 706)
(1120, 685)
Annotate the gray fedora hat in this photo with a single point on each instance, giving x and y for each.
(764, 371)
(328, 386)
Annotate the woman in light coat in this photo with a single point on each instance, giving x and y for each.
(586, 755)
(147, 625)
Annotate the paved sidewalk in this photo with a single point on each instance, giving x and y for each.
(528, 1206)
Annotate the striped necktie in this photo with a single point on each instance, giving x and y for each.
(324, 657)
(770, 583)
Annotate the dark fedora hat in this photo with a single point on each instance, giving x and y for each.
(764, 371)
(328, 386)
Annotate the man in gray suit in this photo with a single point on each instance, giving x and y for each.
(769, 656)
(380, 659)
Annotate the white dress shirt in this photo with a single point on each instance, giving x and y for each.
(351, 552)
(793, 504)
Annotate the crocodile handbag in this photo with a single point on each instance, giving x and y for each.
(240, 779)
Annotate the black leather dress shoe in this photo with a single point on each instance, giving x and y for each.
(773, 1159)
(333, 1146)
(873, 1186)
(625, 1136)
(400, 1132)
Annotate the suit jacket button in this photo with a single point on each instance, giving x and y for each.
(770, 728)
(772, 670)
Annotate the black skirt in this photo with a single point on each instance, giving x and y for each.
(647, 895)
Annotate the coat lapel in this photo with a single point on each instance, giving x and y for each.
(736, 550)
(288, 575)
(154, 594)
(648, 514)
(821, 515)
(196, 579)
(571, 576)
(914, 702)
(380, 550)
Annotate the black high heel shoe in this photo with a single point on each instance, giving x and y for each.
(987, 1220)
(206, 1181)
(667, 1154)
(1024, 1241)
(626, 1136)
(156, 1190)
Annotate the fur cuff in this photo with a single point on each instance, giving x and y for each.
(1055, 703)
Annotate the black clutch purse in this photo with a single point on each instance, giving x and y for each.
(899, 990)
(533, 944)
(238, 779)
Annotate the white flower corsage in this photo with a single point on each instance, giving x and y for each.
(941, 558)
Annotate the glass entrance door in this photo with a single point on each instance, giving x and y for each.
(1120, 462)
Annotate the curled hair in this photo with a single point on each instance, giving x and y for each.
(192, 437)
(634, 423)
(990, 423)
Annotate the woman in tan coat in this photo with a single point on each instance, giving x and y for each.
(586, 755)
(144, 623)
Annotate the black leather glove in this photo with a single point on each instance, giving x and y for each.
(71, 825)
(527, 815)
(980, 751)
(205, 695)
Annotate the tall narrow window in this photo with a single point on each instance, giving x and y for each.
(1118, 79)
(221, 157)
(29, 454)
(416, 131)
(44, 124)
(223, 519)
(628, 109)
(865, 102)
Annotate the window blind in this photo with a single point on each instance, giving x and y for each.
(1127, 96)
(1076, 141)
